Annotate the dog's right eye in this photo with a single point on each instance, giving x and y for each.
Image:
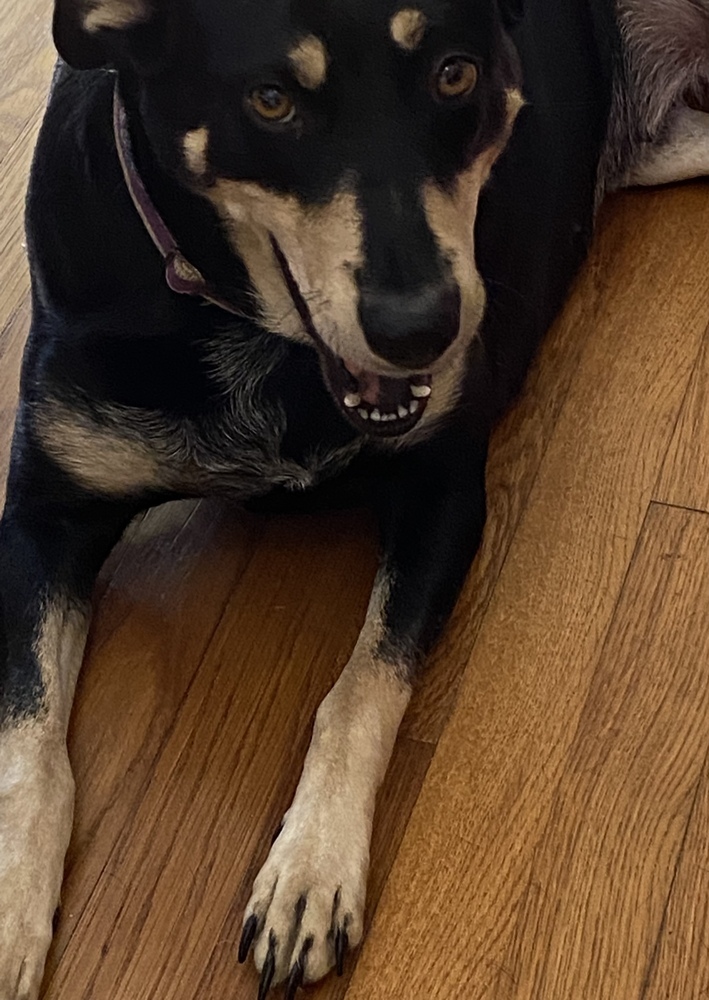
(272, 104)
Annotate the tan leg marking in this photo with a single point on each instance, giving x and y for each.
(115, 14)
(322, 852)
(97, 457)
(408, 27)
(36, 809)
(309, 60)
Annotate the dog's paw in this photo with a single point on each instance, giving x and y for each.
(36, 805)
(307, 905)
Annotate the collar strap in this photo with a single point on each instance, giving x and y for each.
(181, 276)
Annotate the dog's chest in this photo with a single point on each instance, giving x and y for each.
(267, 422)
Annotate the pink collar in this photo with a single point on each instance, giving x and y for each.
(182, 276)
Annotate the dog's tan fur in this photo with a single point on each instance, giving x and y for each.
(309, 60)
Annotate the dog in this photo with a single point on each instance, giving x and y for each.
(298, 253)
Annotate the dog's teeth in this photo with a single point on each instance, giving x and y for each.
(421, 391)
(352, 400)
(413, 406)
(403, 412)
(375, 414)
(363, 414)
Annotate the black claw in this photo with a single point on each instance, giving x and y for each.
(247, 938)
(342, 943)
(269, 968)
(295, 981)
(56, 918)
(278, 832)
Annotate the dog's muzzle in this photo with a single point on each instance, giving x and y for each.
(380, 405)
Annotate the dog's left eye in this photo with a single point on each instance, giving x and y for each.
(272, 104)
(457, 77)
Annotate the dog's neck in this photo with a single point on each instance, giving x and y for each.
(199, 260)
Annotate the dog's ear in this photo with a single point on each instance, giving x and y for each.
(92, 33)
(512, 11)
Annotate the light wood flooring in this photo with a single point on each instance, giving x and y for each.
(544, 829)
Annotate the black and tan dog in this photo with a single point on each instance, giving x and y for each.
(264, 266)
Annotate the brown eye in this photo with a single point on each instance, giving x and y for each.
(272, 104)
(456, 78)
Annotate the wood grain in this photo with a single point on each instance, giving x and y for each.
(453, 897)
(557, 848)
(685, 475)
(605, 863)
(680, 966)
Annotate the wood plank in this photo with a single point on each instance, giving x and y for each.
(196, 824)
(605, 863)
(28, 56)
(163, 592)
(451, 902)
(685, 475)
(516, 452)
(681, 962)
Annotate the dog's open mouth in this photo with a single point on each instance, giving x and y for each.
(380, 405)
(374, 403)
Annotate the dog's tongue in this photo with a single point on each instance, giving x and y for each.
(381, 391)
(378, 403)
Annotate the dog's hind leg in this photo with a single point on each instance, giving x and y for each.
(659, 128)
(307, 905)
(53, 539)
(683, 154)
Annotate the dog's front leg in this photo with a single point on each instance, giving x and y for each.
(307, 905)
(50, 552)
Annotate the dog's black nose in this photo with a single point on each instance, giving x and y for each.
(412, 328)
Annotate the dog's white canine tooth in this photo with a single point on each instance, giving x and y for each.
(375, 414)
(421, 391)
(402, 411)
(352, 400)
(413, 406)
(363, 414)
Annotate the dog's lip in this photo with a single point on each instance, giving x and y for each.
(380, 405)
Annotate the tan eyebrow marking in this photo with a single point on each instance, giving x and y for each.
(309, 59)
(195, 145)
(408, 28)
(118, 14)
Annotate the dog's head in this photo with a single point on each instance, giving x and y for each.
(344, 144)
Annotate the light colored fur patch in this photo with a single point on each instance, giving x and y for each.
(683, 154)
(195, 145)
(36, 808)
(665, 64)
(309, 60)
(98, 457)
(323, 247)
(408, 27)
(322, 852)
(115, 14)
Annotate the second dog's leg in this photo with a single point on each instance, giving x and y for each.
(50, 552)
(682, 156)
(307, 905)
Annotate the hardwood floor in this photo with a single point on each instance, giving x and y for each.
(544, 829)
